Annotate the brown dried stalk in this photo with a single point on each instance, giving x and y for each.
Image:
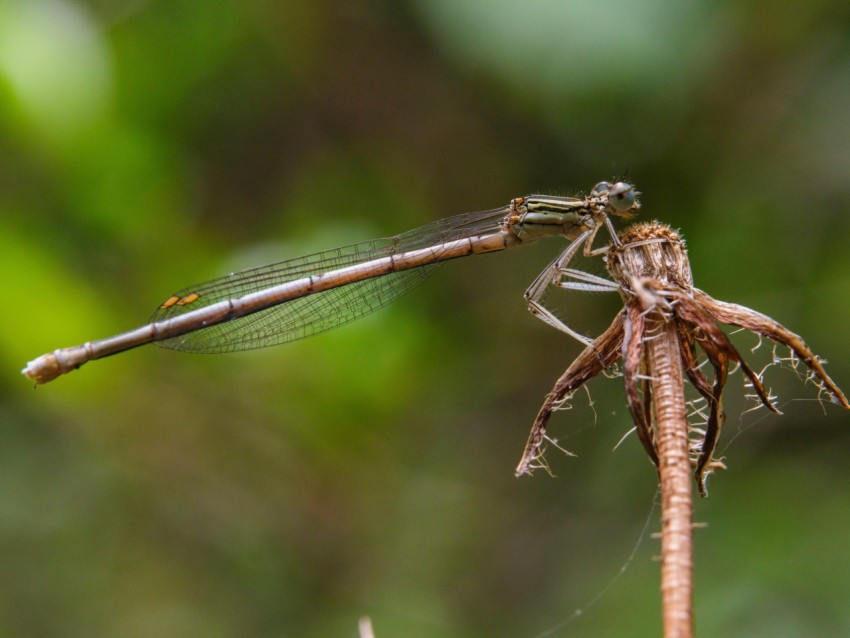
(657, 334)
(671, 444)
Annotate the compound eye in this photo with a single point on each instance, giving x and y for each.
(621, 197)
(600, 189)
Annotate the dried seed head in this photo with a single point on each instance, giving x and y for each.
(651, 267)
(650, 251)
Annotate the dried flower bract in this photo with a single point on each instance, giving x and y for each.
(654, 277)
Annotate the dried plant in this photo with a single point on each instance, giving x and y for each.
(665, 320)
(652, 272)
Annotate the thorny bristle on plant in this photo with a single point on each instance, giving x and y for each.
(653, 273)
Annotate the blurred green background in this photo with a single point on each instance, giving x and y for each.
(146, 145)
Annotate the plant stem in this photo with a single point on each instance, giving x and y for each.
(674, 469)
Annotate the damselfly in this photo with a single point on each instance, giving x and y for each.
(300, 297)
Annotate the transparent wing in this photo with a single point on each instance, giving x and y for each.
(320, 311)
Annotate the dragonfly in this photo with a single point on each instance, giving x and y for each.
(299, 297)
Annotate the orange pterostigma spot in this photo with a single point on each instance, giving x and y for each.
(185, 301)
(177, 300)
